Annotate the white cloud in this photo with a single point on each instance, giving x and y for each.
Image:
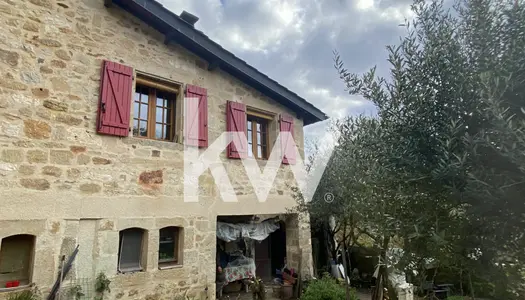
(364, 4)
(334, 104)
(292, 41)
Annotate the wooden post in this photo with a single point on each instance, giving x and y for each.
(346, 277)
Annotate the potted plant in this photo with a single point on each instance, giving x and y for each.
(257, 288)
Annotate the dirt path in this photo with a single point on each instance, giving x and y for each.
(363, 295)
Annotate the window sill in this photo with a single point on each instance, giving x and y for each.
(162, 144)
(151, 139)
(168, 266)
(130, 270)
(14, 289)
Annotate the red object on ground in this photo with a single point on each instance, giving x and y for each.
(16, 283)
(289, 278)
(9, 284)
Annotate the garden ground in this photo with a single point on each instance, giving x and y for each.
(363, 295)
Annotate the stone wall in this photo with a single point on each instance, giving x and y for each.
(67, 185)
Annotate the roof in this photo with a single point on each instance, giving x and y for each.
(175, 28)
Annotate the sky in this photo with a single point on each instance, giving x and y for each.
(292, 41)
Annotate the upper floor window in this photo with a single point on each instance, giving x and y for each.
(148, 106)
(154, 113)
(257, 135)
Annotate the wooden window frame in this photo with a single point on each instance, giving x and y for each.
(177, 247)
(154, 84)
(258, 118)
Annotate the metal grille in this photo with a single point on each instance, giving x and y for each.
(85, 285)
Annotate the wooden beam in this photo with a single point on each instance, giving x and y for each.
(108, 3)
(213, 65)
(158, 85)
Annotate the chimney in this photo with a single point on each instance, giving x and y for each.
(189, 18)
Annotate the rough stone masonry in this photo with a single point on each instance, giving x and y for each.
(66, 185)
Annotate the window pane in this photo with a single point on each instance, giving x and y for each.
(144, 111)
(249, 125)
(143, 131)
(249, 136)
(131, 248)
(136, 109)
(158, 131)
(137, 94)
(250, 152)
(158, 114)
(144, 97)
(160, 100)
(167, 251)
(259, 151)
(258, 138)
(258, 127)
(167, 244)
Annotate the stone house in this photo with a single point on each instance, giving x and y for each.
(92, 139)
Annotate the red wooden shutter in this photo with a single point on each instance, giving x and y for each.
(287, 147)
(115, 99)
(236, 124)
(196, 103)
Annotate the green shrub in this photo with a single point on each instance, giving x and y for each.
(25, 295)
(456, 298)
(326, 288)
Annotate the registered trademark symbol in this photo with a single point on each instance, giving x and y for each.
(329, 197)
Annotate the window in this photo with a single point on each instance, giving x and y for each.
(130, 250)
(16, 260)
(154, 113)
(257, 135)
(170, 250)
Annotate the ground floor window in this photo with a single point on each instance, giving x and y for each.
(16, 260)
(130, 250)
(170, 252)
